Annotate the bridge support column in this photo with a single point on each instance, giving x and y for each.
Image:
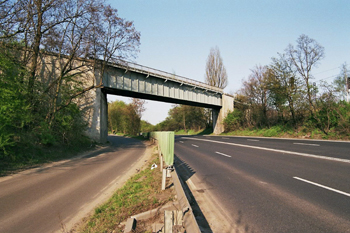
(219, 115)
(98, 116)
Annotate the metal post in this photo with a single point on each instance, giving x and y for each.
(163, 179)
(168, 221)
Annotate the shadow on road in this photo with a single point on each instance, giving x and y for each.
(185, 173)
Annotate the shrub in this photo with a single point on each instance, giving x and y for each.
(233, 120)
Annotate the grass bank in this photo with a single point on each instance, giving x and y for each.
(194, 132)
(34, 156)
(142, 192)
(285, 132)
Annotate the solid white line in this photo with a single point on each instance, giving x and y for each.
(305, 144)
(290, 139)
(322, 186)
(195, 145)
(275, 150)
(253, 140)
(223, 154)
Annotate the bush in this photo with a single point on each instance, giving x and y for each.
(233, 120)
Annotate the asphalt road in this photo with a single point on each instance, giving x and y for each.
(58, 196)
(273, 185)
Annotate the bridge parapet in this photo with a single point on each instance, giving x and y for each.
(134, 80)
(129, 66)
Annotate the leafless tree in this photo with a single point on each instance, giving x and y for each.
(304, 56)
(215, 72)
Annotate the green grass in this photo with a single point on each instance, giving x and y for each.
(194, 132)
(142, 192)
(31, 157)
(287, 132)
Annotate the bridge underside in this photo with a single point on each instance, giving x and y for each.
(157, 98)
(145, 84)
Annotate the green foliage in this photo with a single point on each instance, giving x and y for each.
(146, 126)
(123, 118)
(234, 120)
(183, 117)
(25, 129)
(14, 109)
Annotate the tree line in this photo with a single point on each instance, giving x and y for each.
(126, 118)
(283, 94)
(50, 54)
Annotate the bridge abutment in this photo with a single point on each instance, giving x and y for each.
(220, 115)
(98, 116)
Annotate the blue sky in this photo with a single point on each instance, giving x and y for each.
(176, 36)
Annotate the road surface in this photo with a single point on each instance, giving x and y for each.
(271, 185)
(58, 196)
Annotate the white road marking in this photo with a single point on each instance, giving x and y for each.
(181, 142)
(322, 186)
(225, 138)
(273, 138)
(306, 144)
(195, 145)
(275, 150)
(223, 154)
(253, 140)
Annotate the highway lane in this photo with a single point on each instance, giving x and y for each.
(335, 149)
(269, 191)
(56, 197)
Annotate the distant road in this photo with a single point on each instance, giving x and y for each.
(42, 200)
(273, 185)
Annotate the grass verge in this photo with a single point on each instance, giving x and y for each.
(278, 131)
(194, 132)
(141, 192)
(32, 157)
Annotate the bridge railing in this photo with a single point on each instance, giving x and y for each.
(165, 75)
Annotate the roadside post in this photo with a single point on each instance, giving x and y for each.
(165, 141)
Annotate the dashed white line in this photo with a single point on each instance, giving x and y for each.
(306, 144)
(275, 150)
(195, 145)
(223, 154)
(253, 140)
(181, 142)
(322, 186)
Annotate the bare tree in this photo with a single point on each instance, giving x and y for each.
(139, 106)
(215, 72)
(256, 89)
(304, 57)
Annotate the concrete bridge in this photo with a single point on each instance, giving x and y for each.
(133, 80)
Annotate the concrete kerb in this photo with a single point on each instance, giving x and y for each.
(189, 220)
